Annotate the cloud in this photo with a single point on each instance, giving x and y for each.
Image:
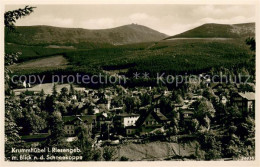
(138, 16)
(233, 20)
(62, 22)
(99, 23)
(141, 17)
(170, 20)
(47, 20)
(109, 22)
(177, 28)
(221, 11)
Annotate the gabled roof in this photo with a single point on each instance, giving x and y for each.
(85, 118)
(158, 116)
(157, 96)
(248, 95)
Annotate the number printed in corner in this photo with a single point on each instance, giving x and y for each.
(248, 158)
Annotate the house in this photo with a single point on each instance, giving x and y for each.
(245, 101)
(151, 120)
(24, 84)
(187, 114)
(219, 88)
(196, 97)
(131, 130)
(96, 110)
(156, 98)
(102, 118)
(105, 102)
(71, 123)
(177, 107)
(125, 119)
(117, 110)
(73, 97)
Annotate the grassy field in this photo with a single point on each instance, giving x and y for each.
(42, 63)
(47, 88)
(30, 52)
(33, 52)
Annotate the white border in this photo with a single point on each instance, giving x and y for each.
(134, 163)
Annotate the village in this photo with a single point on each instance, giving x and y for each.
(117, 115)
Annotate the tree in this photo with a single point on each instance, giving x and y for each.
(12, 137)
(205, 108)
(208, 93)
(123, 158)
(31, 122)
(109, 153)
(189, 95)
(84, 141)
(63, 110)
(251, 42)
(207, 122)
(10, 17)
(131, 103)
(211, 144)
(90, 110)
(194, 125)
(96, 155)
(174, 95)
(145, 99)
(234, 115)
(199, 154)
(72, 90)
(179, 100)
(42, 93)
(50, 103)
(55, 124)
(54, 90)
(64, 92)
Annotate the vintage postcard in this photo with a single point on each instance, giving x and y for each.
(148, 83)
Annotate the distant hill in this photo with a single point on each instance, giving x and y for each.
(132, 33)
(219, 31)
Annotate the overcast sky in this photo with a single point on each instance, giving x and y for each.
(168, 19)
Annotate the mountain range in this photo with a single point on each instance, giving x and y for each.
(127, 34)
(212, 30)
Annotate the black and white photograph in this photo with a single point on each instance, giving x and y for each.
(129, 82)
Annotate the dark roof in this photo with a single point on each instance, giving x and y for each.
(158, 116)
(127, 115)
(187, 112)
(84, 118)
(157, 96)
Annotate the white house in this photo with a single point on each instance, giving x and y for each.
(96, 110)
(128, 119)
